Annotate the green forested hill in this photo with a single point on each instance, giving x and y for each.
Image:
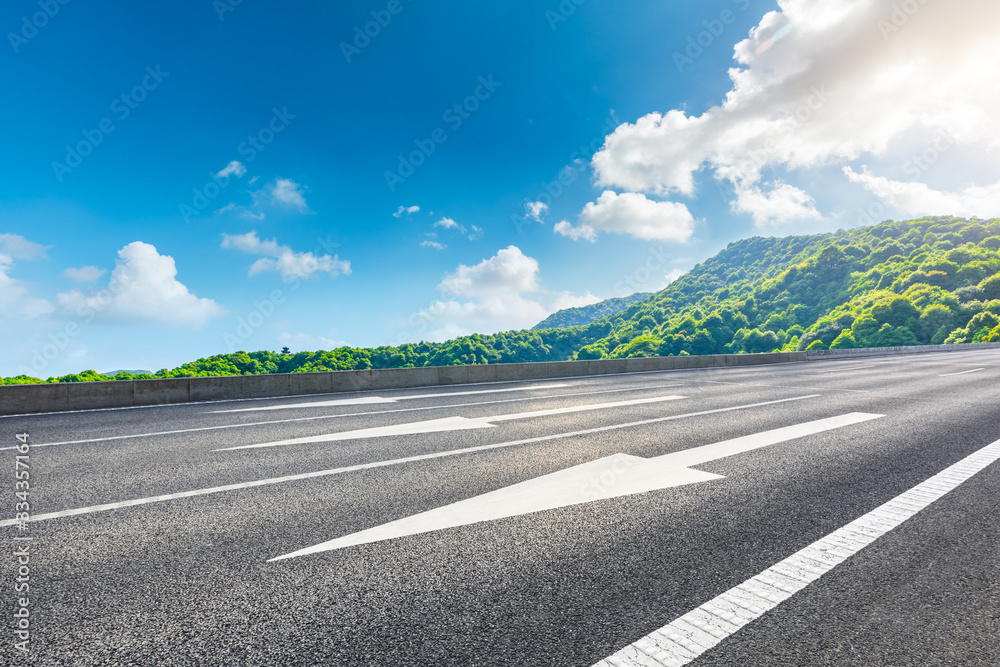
(575, 317)
(927, 281)
(933, 280)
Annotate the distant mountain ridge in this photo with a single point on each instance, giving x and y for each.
(584, 315)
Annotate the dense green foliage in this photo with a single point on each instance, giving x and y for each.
(927, 281)
(501, 348)
(575, 317)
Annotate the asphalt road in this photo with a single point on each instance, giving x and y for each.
(134, 578)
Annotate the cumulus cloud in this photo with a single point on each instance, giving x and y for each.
(915, 198)
(493, 295)
(536, 209)
(234, 168)
(472, 234)
(18, 247)
(848, 80)
(84, 274)
(433, 244)
(497, 294)
(290, 264)
(782, 204)
(16, 302)
(143, 287)
(672, 276)
(576, 233)
(633, 214)
(288, 192)
(569, 300)
(406, 210)
(509, 271)
(448, 223)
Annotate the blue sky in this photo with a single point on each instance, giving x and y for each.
(196, 177)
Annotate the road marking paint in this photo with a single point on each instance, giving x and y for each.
(676, 644)
(348, 414)
(609, 477)
(974, 370)
(444, 425)
(845, 370)
(370, 400)
(383, 464)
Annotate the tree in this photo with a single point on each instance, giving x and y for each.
(285, 350)
(703, 343)
(933, 318)
(991, 287)
(844, 341)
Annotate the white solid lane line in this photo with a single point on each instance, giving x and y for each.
(974, 370)
(694, 633)
(382, 464)
(608, 477)
(370, 400)
(347, 414)
(446, 424)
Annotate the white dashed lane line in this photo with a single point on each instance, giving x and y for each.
(337, 416)
(379, 464)
(448, 424)
(974, 370)
(694, 633)
(374, 400)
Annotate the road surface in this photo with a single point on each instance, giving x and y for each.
(706, 517)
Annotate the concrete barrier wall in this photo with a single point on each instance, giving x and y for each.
(38, 398)
(816, 355)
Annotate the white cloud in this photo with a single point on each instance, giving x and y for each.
(914, 198)
(233, 168)
(15, 301)
(143, 287)
(781, 205)
(536, 209)
(576, 233)
(633, 214)
(448, 223)
(405, 210)
(84, 274)
(290, 193)
(497, 294)
(18, 247)
(672, 276)
(433, 244)
(570, 300)
(490, 296)
(290, 264)
(850, 79)
(472, 234)
(509, 271)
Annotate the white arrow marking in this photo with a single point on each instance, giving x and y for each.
(373, 400)
(447, 424)
(609, 477)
